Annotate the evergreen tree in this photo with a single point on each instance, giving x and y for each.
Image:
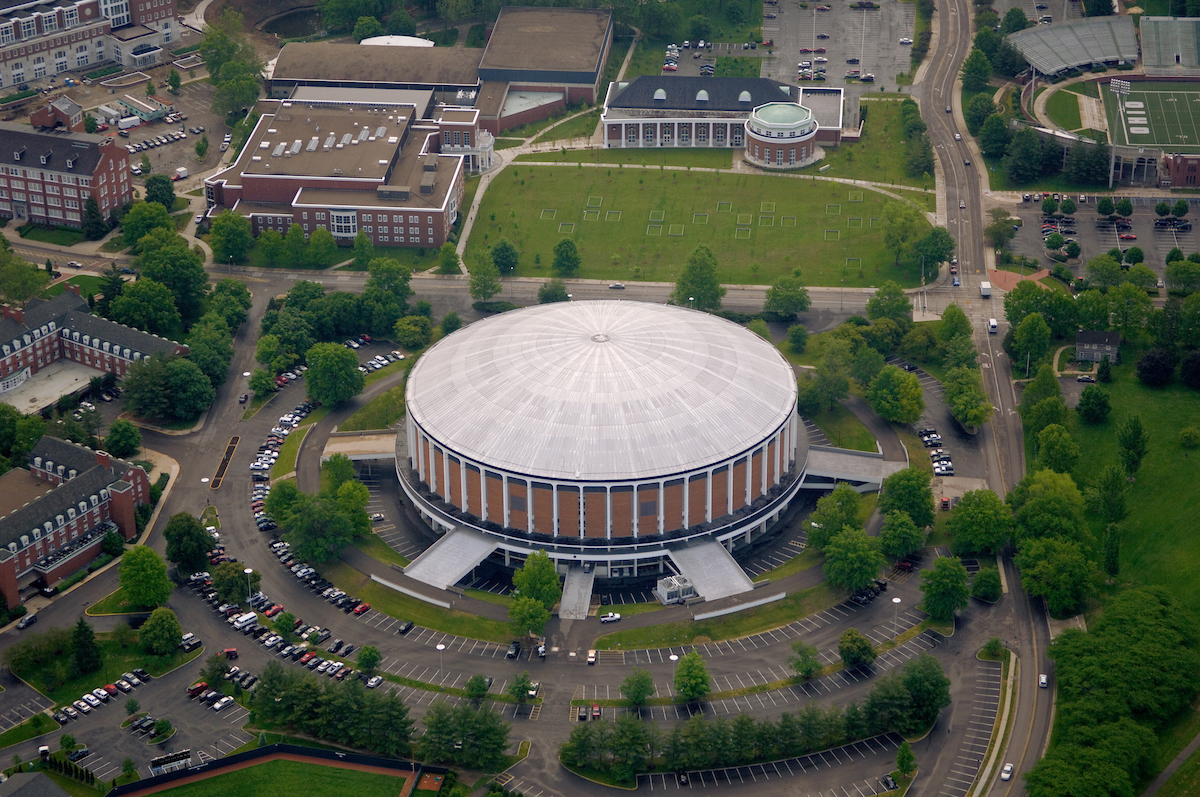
(87, 653)
(1112, 549)
(94, 225)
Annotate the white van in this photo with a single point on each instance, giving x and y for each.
(241, 621)
(993, 327)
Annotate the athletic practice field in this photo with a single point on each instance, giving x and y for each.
(1160, 115)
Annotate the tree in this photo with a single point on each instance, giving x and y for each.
(233, 585)
(364, 250)
(976, 71)
(566, 257)
(1134, 442)
(906, 762)
(986, 585)
(1057, 570)
(1105, 206)
(1014, 20)
(1031, 340)
(333, 376)
(451, 323)
(1024, 159)
(538, 579)
(86, 651)
(1155, 368)
(215, 668)
(994, 134)
(918, 155)
(369, 659)
(1067, 206)
(889, 301)
(899, 536)
(1125, 207)
(159, 189)
(150, 89)
(963, 394)
(94, 225)
(321, 249)
(144, 577)
(505, 256)
(954, 323)
(902, 224)
(1183, 276)
(1049, 206)
(978, 111)
(936, 247)
(896, 395)
(1108, 493)
(413, 332)
(123, 440)
(786, 298)
(476, 688)
(1044, 385)
(853, 560)
(165, 258)
(188, 542)
(262, 382)
(400, 23)
(142, 218)
(202, 146)
(1054, 241)
(691, 677)
(528, 617)
(1141, 276)
(1112, 549)
(552, 290)
(448, 261)
(1131, 309)
(161, 632)
(834, 512)
(366, 28)
(146, 305)
(638, 686)
(855, 649)
(1056, 449)
(230, 237)
(804, 660)
(908, 491)
(945, 588)
(485, 278)
(698, 287)
(867, 364)
(797, 335)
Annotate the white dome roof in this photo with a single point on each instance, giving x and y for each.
(601, 390)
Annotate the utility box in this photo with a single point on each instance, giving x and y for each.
(674, 589)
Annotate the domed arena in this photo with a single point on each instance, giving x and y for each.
(604, 432)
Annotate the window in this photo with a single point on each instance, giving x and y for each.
(792, 157)
(631, 134)
(320, 217)
(6, 33)
(367, 217)
(368, 229)
(431, 231)
(49, 22)
(397, 219)
(414, 230)
(446, 138)
(397, 230)
(71, 17)
(28, 28)
(702, 134)
(685, 134)
(304, 215)
(81, 55)
(467, 138)
(457, 138)
(343, 223)
(383, 237)
(648, 508)
(39, 67)
(414, 219)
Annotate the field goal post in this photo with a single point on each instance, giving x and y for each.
(1120, 88)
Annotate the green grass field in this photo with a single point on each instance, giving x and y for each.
(116, 603)
(702, 158)
(116, 659)
(636, 224)
(1063, 108)
(878, 156)
(379, 413)
(579, 127)
(738, 67)
(1171, 114)
(88, 286)
(293, 777)
(288, 453)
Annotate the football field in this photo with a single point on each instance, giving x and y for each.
(1159, 115)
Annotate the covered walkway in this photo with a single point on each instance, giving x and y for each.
(450, 558)
(711, 569)
(577, 593)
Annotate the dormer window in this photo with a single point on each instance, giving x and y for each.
(17, 154)
(744, 97)
(701, 96)
(660, 95)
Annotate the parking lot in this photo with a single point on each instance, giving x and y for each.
(1096, 236)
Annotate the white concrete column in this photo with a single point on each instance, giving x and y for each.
(658, 139)
(554, 506)
(504, 498)
(608, 513)
(529, 505)
(662, 507)
(462, 485)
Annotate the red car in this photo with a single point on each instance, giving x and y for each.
(824, 8)
(907, 567)
(1127, 236)
(274, 610)
(362, 608)
(818, 49)
(806, 49)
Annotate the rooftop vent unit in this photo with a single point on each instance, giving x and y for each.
(363, 134)
(329, 141)
(347, 138)
(271, 130)
(313, 143)
(279, 148)
(297, 145)
(256, 158)
(264, 145)
(380, 131)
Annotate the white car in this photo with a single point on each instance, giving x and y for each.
(1043, 682)
(222, 703)
(906, 40)
(1006, 772)
(375, 681)
(91, 700)
(958, 136)
(611, 617)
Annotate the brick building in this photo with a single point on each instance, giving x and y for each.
(61, 112)
(45, 331)
(39, 38)
(48, 174)
(346, 168)
(57, 512)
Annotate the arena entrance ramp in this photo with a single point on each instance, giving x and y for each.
(577, 593)
(450, 558)
(711, 569)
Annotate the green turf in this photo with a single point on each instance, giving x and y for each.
(59, 236)
(1173, 115)
(809, 227)
(292, 777)
(843, 428)
(1186, 780)
(878, 156)
(88, 286)
(1063, 108)
(116, 603)
(379, 413)
(672, 156)
(288, 453)
(1088, 89)
(738, 67)
(579, 127)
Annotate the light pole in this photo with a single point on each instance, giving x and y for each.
(896, 619)
(248, 571)
(691, 302)
(440, 648)
(568, 297)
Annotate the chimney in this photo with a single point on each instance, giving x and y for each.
(73, 288)
(15, 313)
(102, 459)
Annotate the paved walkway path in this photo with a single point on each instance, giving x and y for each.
(1166, 774)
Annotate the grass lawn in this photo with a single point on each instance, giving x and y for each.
(34, 726)
(508, 143)
(1185, 781)
(88, 286)
(642, 225)
(114, 244)
(289, 452)
(378, 549)
(116, 660)
(116, 603)
(844, 429)
(580, 126)
(489, 597)
(1089, 89)
(738, 67)
(700, 158)
(879, 156)
(809, 558)
(54, 235)
(397, 604)
(1063, 109)
(534, 128)
(731, 626)
(379, 413)
(292, 777)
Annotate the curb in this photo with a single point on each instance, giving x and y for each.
(985, 774)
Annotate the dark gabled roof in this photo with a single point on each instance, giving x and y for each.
(59, 145)
(1091, 337)
(31, 784)
(41, 311)
(724, 93)
(91, 478)
(117, 334)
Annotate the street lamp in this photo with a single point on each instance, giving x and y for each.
(691, 302)
(568, 297)
(896, 619)
(248, 571)
(440, 648)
